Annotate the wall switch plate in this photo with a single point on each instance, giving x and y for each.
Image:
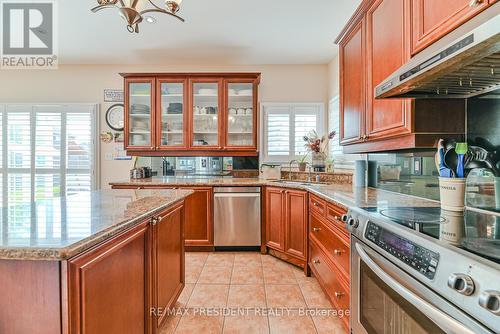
(417, 166)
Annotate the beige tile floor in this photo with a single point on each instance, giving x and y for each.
(246, 292)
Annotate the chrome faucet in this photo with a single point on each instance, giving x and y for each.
(309, 173)
(290, 168)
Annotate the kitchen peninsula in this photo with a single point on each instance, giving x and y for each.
(59, 267)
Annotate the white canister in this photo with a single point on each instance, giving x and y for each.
(452, 230)
(452, 193)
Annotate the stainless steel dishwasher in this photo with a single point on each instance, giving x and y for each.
(237, 217)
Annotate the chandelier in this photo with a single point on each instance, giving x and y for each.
(133, 11)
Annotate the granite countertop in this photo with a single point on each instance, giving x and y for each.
(64, 227)
(342, 194)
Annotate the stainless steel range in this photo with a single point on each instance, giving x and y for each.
(423, 270)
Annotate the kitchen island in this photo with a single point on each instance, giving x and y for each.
(101, 262)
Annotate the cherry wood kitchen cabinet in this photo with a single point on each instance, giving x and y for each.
(374, 44)
(168, 263)
(199, 219)
(286, 224)
(109, 282)
(329, 253)
(296, 223)
(387, 50)
(352, 101)
(140, 115)
(432, 19)
(275, 216)
(242, 118)
(198, 222)
(126, 284)
(191, 114)
(172, 117)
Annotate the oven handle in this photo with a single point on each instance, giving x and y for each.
(444, 321)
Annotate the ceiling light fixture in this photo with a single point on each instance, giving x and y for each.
(133, 12)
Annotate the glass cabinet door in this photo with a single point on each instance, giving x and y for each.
(206, 111)
(172, 116)
(140, 114)
(240, 115)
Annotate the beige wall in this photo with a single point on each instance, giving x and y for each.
(85, 83)
(333, 77)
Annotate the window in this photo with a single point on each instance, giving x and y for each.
(341, 161)
(47, 151)
(285, 125)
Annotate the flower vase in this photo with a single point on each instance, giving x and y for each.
(302, 166)
(318, 161)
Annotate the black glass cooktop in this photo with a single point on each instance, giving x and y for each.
(474, 231)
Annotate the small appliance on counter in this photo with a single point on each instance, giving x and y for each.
(270, 172)
(141, 173)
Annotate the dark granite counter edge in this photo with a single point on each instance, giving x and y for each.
(58, 254)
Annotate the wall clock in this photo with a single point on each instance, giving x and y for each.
(115, 117)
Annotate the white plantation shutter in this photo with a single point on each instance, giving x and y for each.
(46, 151)
(284, 127)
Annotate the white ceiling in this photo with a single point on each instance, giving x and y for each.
(233, 32)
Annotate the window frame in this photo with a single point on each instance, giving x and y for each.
(292, 111)
(63, 109)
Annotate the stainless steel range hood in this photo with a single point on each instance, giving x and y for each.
(462, 64)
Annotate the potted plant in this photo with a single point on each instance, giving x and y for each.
(302, 162)
(318, 146)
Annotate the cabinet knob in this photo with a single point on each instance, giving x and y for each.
(338, 252)
(316, 229)
(154, 221)
(159, 218)
(139, 188)
(315, 204)
(339, 294)
(316, 261)
(336, 217)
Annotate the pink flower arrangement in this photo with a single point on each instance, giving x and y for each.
(316, 144)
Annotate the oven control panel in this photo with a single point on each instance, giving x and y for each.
(417, 257)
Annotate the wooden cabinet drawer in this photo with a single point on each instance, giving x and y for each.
(328, 277)
(334, 216)
(317, 205)
(334, 245)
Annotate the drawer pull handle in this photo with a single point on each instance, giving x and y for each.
(316, 229)
(339, 294)
(316, 262)
(139, 188)
(338, 252)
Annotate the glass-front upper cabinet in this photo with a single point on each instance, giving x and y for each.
(206, 120)
(241, 114)
(139, 114)
(171, 131)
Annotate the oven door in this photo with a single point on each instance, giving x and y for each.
(385, 299)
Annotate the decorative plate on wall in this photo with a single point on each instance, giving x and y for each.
(115, 117)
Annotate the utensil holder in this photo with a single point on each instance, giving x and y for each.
(452, 193)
